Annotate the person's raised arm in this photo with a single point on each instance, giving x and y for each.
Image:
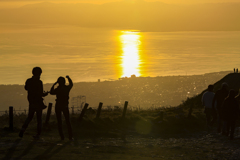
(70, 81)
(53, 91)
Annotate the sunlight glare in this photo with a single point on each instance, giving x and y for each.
(130, 53)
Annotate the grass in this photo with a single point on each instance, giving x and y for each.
(142, 134)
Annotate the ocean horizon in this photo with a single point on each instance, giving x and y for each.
(87, 55)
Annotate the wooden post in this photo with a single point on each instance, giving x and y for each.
(11, 118)
(48, 113)
(83, 111)
(125, 109)
(190, 111)
(99, 109)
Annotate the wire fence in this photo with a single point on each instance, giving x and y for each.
(13, 112)
(77, 110)
(72, 110)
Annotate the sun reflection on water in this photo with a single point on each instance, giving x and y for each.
(130, 45)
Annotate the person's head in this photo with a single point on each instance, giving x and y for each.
(232, 93)
(224, 85)
(37, 71)
(210, 87)
(61, 81)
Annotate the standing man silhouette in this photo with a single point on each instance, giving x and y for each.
(34, 87)
(230, 113)
(62, 94)
(219, 97)
(207, 99)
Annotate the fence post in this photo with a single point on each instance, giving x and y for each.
(99, 109)
(83, 111)
(125, 109)
(48, 113)
(190, 111)
(11, 118)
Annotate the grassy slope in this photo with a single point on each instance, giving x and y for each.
(141, 135)
(233, 81)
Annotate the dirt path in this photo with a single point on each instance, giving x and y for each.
(197, 146)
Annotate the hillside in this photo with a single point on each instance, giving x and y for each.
(142, 134)
(146, 92)
(233, 81)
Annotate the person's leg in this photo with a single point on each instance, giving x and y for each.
(214, 117)
(39, 121)
(208, 116)
(31, 112)
(59, 121)
(232, 127)
(225, 128)
(219, 122)
(67, 119)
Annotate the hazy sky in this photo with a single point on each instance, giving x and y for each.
(18, 3)
(129, 15)
(103, 1)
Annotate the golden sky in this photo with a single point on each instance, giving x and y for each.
(18, 3)
(127, 14)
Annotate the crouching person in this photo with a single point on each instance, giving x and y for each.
(61, 106)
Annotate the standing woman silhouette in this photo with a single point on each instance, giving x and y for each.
(61, 106)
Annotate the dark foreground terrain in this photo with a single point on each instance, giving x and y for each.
(154, 133)
(200, 146)
(141, 135)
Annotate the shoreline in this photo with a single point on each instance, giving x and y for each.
(113, 80)
(146, 92)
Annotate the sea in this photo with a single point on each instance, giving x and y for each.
(100, 54)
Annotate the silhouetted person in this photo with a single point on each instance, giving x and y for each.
(62, 94)
(34, 87)
(219, 97)
(207, 99)
(234, 70)
(237, 70)
(230, 113)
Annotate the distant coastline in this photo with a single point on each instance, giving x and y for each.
(146, 92)
(125, 78)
